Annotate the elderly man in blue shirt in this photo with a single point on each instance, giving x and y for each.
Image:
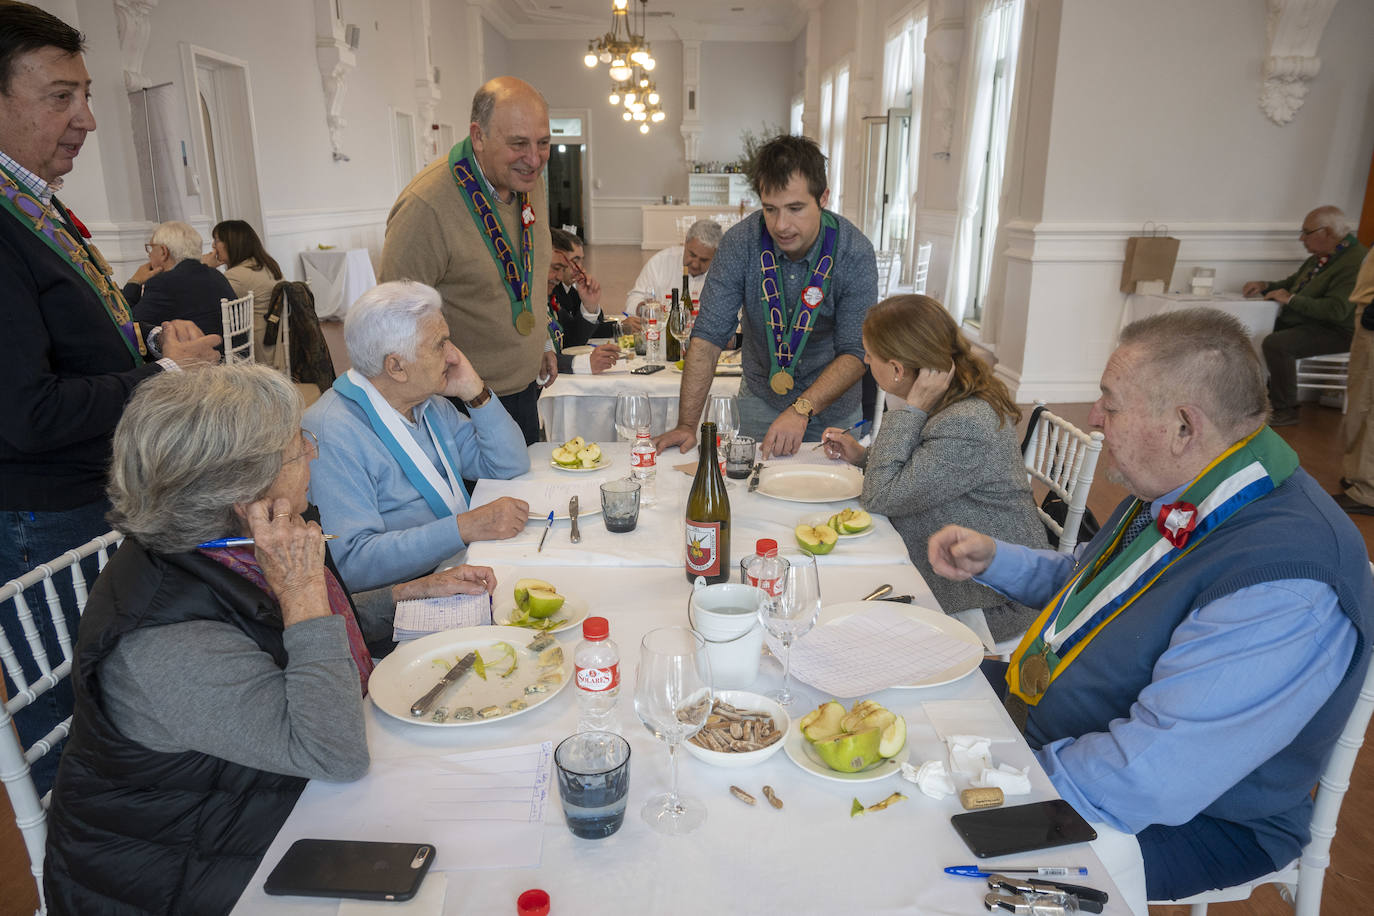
(394, 451)
(1195, 661)
(799, 280)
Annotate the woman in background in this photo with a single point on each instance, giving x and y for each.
(948, 455)
(249, 269)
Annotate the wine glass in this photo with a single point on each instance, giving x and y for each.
(724, 412)
(631, 412)
(673, 700)
(792, 607)
(680, 326)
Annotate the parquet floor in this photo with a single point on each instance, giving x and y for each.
(1349, 880)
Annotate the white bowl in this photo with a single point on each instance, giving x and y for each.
(743, 699)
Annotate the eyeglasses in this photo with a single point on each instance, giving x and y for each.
(1306, 232)
(311, 446)
(148, 247)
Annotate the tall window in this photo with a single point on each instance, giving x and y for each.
(794, 121)
(839, 117)
(827, 107)
(904, 67)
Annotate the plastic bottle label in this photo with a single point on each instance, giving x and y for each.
(652, 333)
(643, 459)
(771, 587)
(703, 542)
(596, 680)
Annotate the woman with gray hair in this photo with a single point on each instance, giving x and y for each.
(175, 284)
(211, 681)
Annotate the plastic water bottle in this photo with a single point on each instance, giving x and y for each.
(653, 340)
(596, 663)
(644, 466)
(763, 547)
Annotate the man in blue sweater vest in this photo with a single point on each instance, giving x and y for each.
(1195, 661)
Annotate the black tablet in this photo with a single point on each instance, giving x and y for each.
(1022, 828)
(351, 868)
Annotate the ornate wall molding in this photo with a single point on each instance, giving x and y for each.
(336, 60)
(1294, 32)
(944, 53)
(427, 92)
(131, 21)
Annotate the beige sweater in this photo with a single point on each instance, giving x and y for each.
(244, 279)
(431, 237)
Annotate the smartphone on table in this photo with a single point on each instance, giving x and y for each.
(351, 868)
(1022, 828)
(647, 370)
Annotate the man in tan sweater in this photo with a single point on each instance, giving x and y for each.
(474, 225)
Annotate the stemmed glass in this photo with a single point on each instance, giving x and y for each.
(680, 326)
(792, 607)
(724, 412)
(631, 412)
(673, 700)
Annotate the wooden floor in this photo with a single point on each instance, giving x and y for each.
(1349, 880)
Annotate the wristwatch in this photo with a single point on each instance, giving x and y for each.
(481, 398)
(803, 407)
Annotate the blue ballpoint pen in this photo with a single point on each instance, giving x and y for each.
(853, 429)
(240, 542)
(1045, 871)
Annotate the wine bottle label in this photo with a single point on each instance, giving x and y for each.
(703, 548)
(598, 679)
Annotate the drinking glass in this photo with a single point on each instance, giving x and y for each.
(680, 326)
(631, 412)
(673, 699)
(792, 606)
(724, 412)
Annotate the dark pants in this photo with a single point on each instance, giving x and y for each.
(523, 407)
(1283, 349)
(26, 540)
(1201, 855)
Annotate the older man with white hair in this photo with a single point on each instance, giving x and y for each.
(174, 283)
(394, 451)
(664, 270)
(1315, 314)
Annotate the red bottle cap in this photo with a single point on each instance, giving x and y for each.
(533, 902)
(766, 547)
(595, 628)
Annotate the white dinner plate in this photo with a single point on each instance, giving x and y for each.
(409, 672)
(579, 350)
(811, 483)
(795, 745)
(603, 463)
(573, 612)
(823, 518)
(947, 625)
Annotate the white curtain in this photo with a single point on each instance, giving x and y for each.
(837, 135)
(999, 31)
(827, 106)
(162, 143)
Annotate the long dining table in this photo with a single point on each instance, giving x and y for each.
(811, 856)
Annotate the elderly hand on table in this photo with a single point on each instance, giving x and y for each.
(604, 357)
(495, 521)
(456, 580)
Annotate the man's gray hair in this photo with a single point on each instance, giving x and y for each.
(1332, 219)
(707, 232)
(192, 445)
(182, 241)
(1204, 357)
(483, 104)
(386, 319)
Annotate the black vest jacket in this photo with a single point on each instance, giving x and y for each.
(135, 831)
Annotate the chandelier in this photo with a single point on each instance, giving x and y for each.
(630, 63)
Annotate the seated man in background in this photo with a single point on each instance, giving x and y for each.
(1315, 315)
(1197, 659)
(664, 270)
(174, 283)
(569, 316)
(394, 452)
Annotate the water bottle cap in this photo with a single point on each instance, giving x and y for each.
(533, 902)
(595, 628)
(766, 547)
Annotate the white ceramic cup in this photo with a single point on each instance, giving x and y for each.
(727, 617)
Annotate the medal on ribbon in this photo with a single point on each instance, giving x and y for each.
(790, 331)
(462, 165)
(1176, 521)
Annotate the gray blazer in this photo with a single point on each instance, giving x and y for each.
(958, 467)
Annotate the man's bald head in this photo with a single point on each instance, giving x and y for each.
(510, 134)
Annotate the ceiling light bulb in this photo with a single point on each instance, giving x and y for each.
(604, 57)
(614, 99)
(639, 56)
(658, 116)
(653, 98)
(627, 116)
(650, 64)
(644, 128)
(619, 4)
(630, 98)
(638, 116)
(590, 59)
(643, 82)
(620, 73)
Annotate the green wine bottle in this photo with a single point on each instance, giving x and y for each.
(708, 515)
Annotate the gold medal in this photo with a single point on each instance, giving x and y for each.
(781, 383)
(1035, 675)
(524, 323)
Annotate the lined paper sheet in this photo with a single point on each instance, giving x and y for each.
(422, 616)
(543, 495)
(872, 651)
(483, 809)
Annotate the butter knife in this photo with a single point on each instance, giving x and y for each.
(422, 705)
(575, 536)
(754, 477)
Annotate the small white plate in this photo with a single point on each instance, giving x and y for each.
(816, 519)
(603, 463)
(799, 749)
(944, 623)
(410, 671)
(811, 483)
(574, 609)
(579, 350)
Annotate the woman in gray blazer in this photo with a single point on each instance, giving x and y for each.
(949, 455)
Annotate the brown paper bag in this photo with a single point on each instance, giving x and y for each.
(1148, 257)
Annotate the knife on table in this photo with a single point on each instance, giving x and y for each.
(754, 477)
(575, 536)
(422, 705)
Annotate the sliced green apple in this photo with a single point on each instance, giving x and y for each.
(589, 455)
(894, 738)
(543, 602)
(822, 722)
(564, 457)
(818, 540)
(850, 753)
(855, 521)
(522, 591)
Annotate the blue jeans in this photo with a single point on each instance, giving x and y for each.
(26, 540)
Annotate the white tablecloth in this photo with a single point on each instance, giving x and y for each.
(584, 405)
(1256, 314)
(337, 278)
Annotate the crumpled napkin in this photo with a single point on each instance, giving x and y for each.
(969, 754)
(1007, 778)
(931, 777)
